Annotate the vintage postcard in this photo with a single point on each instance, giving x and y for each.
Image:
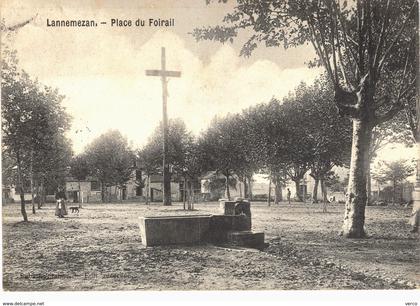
(266, 151)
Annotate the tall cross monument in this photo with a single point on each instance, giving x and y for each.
(164, 74)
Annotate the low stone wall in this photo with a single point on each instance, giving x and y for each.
(174, 230)
(220, 226)
(233, 227)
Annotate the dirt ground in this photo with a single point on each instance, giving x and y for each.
(100, 249)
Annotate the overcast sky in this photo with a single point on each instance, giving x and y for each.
(101, 70)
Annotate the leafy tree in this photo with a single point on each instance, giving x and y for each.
(180, 151)
(178, 137)
(246, 134)
(411, 113)
(79, 169)
(280, 140)
(304, 132)
(192, 168)
(280, 179)
(51, 166)
(110, 160)
(266, 138)
(395, 172)
(33, 124)
(366, 47)
(218, 185)
(328, 135)
(148, 162)
(334, 183)
(394, 131)
(221, 147)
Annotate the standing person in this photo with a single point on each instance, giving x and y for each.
(288, 195)
(60, 209)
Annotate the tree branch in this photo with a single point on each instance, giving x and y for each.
(395, 108)
(333, 29)
(346, 36)
(360, 30)
(20, 25)
(388, 50)
(381, 36)
(315, 42)
(411, 123)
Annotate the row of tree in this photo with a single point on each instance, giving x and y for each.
(369, 50)
(282, 139)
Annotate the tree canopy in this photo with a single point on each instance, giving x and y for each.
(33, 126)
(367, 49)
(110, 159)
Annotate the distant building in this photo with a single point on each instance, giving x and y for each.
(213, 186)
(156, 188)
(89, 190)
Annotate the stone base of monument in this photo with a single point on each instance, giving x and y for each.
(174, 230)
(226, 207)
(221, 225)
(246, 239)
(233, 227)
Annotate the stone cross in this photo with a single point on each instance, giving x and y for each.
(164, 74)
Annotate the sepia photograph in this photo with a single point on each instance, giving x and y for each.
(264, 152)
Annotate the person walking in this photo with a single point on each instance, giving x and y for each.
(60, 209)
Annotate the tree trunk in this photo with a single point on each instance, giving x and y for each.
(250, 187)
(21, 190)
(324, 191)
(167, 196)
(102, 192)
(184, 192)
(394, 192)
(32, 183)
(324, 196)
(80, 196)
(43, 196)
(147, 189)
(38, 193)
(189, 199)
(269, 193)
(32, 194)
(227, 191)
(245, 189)
(315, 191)
(369, 185)
(192, 195)
(297, 186)
(278, 196)
(354, 216)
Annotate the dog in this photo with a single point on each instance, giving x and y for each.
(74, 209)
